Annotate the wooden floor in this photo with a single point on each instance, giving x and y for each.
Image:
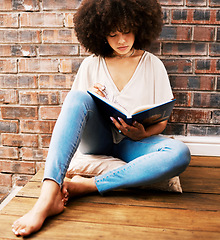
(132, 214)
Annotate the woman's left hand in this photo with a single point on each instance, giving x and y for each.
(136, 131)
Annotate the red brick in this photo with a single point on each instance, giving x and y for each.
(39, 98)
(218, 84)
(45, 140)
(19, 112)
(171, 2)
(17, 167)
(185, 49)
(25, 5)
(58, 50)
(178, 65)
(192, 82)
(214, 3)
(155, 48)
(60, 5)
(56, 81)
(70, 65)
(176, 33)
(216, 116)
(19, 140)
(8, 96)
(204, 33)
(17, 50)
(218, 35)
(38, 65)
(9, 152)
(175, 129)
(33, 154)
(59, 36)
(190, 116)
(6, 5)
(20, 36)
(69, 20)
(8, 66)
(37, 126)
(8, 126)
(40, 165)
(48, 113)
(15, 81)
(207, 66)
(20, 179)
(63, 95)
(83, 52)
(206, 99)
(183, 99)
(196, 3)
(41, 20)
(214, 49)
(203, 130)
(166, 15)
(9, 20)
(5, 179)
(194, 16)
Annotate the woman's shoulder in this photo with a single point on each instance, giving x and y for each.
(90, 60)
(151, 57)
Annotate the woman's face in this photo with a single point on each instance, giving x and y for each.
(121, 43)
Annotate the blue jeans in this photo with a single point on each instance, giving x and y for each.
(80, 125)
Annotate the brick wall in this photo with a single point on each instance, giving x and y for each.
(40, 55)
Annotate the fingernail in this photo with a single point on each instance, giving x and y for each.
(119, 118)
(112, 119)
(22, 230)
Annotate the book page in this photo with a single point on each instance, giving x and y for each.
(143, 108)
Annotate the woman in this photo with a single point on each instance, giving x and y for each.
(116, 32)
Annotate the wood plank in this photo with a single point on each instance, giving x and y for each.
(199, 161)
(204, 161)
(129, 215)
(201, 180)
(68, 230)
(143, 216)
(205, 202)
(190, 201)
(38, 176)
(194, 179)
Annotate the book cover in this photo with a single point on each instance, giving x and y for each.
(147, 115)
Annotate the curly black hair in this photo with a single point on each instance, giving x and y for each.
(96, 19)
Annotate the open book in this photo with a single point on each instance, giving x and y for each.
(147, 115)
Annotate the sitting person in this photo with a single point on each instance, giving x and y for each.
(115, 32)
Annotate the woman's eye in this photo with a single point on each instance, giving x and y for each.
(112, 35)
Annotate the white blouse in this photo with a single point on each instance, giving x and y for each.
(148, 85)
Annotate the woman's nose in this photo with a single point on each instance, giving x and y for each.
(121, 38)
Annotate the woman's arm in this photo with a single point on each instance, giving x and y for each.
(137, 131)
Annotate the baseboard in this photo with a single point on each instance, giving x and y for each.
(201, 146)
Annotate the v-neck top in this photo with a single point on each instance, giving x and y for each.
(149, 83)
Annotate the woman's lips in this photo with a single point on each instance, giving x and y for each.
(123, 48)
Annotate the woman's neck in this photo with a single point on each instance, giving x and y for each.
(127, 55)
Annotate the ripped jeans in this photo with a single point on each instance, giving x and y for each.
(80, 124)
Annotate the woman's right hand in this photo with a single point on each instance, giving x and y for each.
(99, 89)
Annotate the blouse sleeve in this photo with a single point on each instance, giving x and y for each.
(163, 91)
(84, 77)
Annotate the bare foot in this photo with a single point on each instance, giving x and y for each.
(49, 203)
(77, 187)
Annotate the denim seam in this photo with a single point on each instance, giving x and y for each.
(72, 152)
